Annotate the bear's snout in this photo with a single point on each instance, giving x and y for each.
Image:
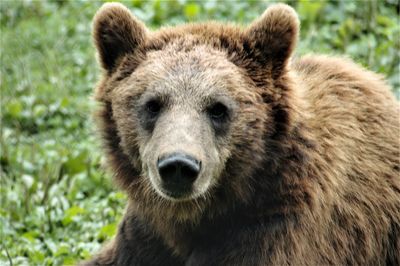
(178, 171)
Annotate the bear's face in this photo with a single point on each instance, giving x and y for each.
(189, 117)
(180, 108)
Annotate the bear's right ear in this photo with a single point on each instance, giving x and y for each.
(116, 33)
(274, 36)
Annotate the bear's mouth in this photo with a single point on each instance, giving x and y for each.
(177, 193)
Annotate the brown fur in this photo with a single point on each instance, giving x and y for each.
(307, 171)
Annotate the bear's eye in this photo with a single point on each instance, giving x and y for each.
(153, 107)
(218, 112)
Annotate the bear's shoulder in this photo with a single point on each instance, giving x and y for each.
(325, 75)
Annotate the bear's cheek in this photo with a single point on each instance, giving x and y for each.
(212, 168)
(246, 141)
(126, 125)
(147, 153)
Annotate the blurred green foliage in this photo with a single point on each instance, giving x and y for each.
(57, 203)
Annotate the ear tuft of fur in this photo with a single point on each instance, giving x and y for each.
(116, 33)
(275, 34)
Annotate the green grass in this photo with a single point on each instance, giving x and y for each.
(58, 204)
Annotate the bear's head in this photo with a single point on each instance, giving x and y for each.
(191, 112)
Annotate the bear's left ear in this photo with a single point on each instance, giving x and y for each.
(116, 33)
(274, 36)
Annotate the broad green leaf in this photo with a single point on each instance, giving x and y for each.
(191, 10)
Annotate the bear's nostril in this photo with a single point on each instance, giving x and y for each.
(180, 169)
(168, 171)
(189, 172)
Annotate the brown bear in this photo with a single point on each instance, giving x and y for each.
(232, 152)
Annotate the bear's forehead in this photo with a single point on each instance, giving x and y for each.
(179, 59)
(228, 37)
(200, 70)
(190, 60)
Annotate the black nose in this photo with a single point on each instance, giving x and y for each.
(178, 169)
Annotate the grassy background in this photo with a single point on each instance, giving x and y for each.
(57, 203)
